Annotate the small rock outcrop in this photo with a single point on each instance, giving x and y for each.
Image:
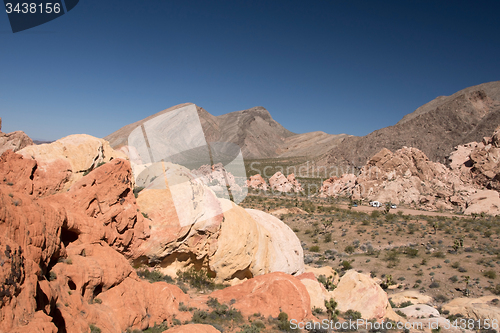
(14, 141)
(75, 154)
(278, 182)
(257, 182)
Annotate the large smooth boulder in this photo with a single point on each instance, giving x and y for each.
(269, 295)
(484, 201)
(476, 308)
(359, 292)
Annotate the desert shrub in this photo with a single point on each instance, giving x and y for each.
(405, 304)
(154, 276)
(392, 256)
(137, 190)
(349, 249)
(454, 279)
(351, 314)
(157, 328)
(328, 238)
(314, 248)
(52, 276)
(400, 313)
(490, 274)
(197, 279)
(317, 311)
(94, 329)
(495, 290)
(346, 265)
(462, 269)
(220, 313)
(284, 323)
(249, 329)
(411, 252)
(441, 298)
(375, 214)
(438, 254)
(456, 264)
(434, 284)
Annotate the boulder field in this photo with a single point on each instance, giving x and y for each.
(469, 183)
(71, 228)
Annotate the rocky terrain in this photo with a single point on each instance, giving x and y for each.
(434, 128)
(469, 185)
(72, 228)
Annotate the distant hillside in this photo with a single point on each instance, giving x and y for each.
(435, 128)
(254, 130)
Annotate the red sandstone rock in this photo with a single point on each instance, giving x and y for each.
(267, 294)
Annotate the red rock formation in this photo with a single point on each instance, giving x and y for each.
(268, 294)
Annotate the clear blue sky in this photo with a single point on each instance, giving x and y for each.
(335, 66)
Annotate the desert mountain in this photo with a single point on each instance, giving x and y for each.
(253, 130)
(434, 128)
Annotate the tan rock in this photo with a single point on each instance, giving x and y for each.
(420, 311)
(410, 295)
(82, 152)
(14, 141)
(359, 292)
(484, 201)
(287, 254)
(336, 186)
(243, 247)
(476, 308)
(280, 183)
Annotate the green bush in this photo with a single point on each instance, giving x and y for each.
(346, 265)
(405, 304)
(157, 328)
(137, 190)
(314, 248)
(94, 329)
(197, 279)
(154, 276)
(490, 274)
(352, 315)
(349, 249)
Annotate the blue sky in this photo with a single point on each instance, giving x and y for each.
(333, 66)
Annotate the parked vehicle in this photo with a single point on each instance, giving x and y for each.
(375, 204)
(393, 206)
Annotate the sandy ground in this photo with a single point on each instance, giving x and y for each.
(406, 211)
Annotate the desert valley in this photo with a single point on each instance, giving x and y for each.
(256, 228)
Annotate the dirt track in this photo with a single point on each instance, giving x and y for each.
(406, 211)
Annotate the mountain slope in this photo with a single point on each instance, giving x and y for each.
(253, 130)
(435, 128)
